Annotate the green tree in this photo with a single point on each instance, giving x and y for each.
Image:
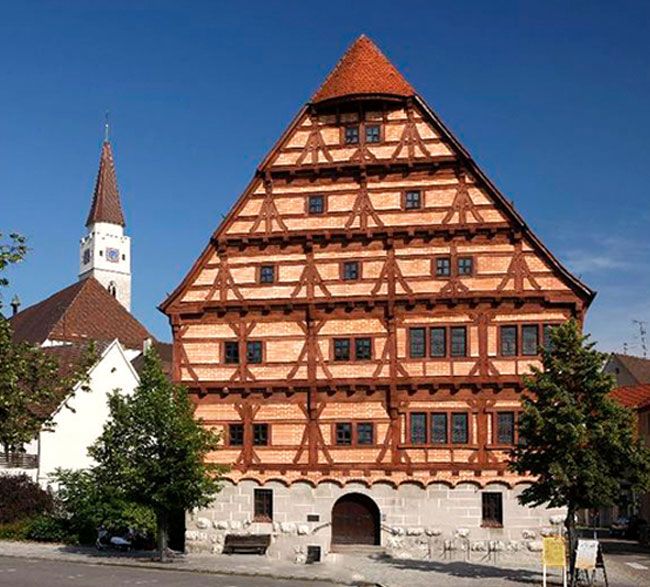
(153, 450)
(32, 385)
(31, 381)
(577, 441)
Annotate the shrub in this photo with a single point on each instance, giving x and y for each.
(21, 498)
(86, 504)
(14, 530)
(47, 528)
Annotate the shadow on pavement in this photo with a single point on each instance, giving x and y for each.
(622, 546)
(136, 555)
(465, 569)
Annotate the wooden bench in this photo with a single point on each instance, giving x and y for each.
(246, 543)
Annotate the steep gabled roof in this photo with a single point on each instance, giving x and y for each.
(363, 71)
(633, 396)
(83, 311)
(106, 205)
(638, 367)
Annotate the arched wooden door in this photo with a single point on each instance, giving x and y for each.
(355, 520)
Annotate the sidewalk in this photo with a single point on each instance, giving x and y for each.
(342, 570)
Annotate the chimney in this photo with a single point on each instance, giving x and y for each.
(146, 344)
(15, 304)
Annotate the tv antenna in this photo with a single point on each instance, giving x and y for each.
(643, 332)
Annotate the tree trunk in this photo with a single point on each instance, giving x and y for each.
(162, 522)
(570, 525)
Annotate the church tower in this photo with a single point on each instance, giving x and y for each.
(105, 251)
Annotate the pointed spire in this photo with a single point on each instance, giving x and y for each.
(363, 70)
(106, 206)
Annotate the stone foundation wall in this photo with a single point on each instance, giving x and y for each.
(420, 523)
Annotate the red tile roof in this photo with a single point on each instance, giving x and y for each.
(638, 367)
(633, 396)
(164, 350)
(83, 311)
(363, 70)
(106, 206)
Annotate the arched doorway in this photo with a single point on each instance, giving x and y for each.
(355, 520)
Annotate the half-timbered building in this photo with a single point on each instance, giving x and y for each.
(357, 329)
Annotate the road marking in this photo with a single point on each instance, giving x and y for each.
(637, 566)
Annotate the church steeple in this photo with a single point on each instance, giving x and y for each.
(106, 205)
(105, 252)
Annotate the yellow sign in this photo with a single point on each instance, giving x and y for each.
(554, 554)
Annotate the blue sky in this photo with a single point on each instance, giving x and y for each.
(551, 98)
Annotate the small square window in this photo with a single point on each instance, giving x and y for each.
(351, 135)
(417, 343)
(343, 433)
(351, 270)
(260, 434)
(413, 200)
(465, 266)
(438, 341)
(459, 431)
(263, 505)
(373, 133)
(418, 428)
(235, 434)
(492, 509)
(316, 204)
(231, 352)
(458, 341)
(439, 428)
(267, 274)
(362, 349)
(254, 351)
(529, 339)
(509, 341)
(443, 267)
(365, 433)
(341, 349)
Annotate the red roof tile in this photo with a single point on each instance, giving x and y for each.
(363, 70)
(83, 311)
(633, 396)
(106, 206)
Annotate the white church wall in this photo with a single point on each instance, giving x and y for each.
(79, 425)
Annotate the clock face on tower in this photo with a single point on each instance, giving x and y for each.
(112, 255)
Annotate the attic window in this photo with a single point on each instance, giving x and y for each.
(316, 204)
(351, 135)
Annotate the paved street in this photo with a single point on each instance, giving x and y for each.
(19, 572)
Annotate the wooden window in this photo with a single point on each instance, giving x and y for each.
(343, 433)
(235, 434)
(443, 267)
(350, 270)
(492, 510)
(260, 434)
(267, 274)
(508, 341)
(418, 428)
(458, 341)
(362, 349)
(351, 135)
(254, 351)
(459, 428)
(546, 336)
(413, 200)
(263, 505)
(439, 428)
(316, 205)
(231, 352)
(365, 433)
(505, 428)
(341, 349)
(465, 266)
(417, 342)
(438, 342)
(529, 339)
(373, 133)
